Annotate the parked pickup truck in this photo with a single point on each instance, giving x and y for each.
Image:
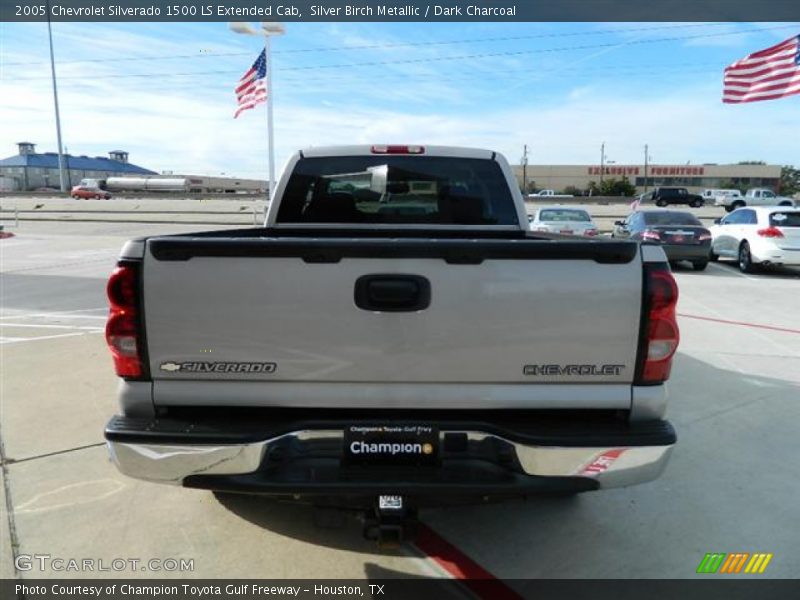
(718, 197)
(754, 197)
(549, 194)
(394, 336)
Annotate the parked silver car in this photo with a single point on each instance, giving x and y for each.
(564, 220)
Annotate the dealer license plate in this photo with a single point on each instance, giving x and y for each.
(391, 445)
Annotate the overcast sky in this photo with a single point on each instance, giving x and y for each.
(164, 92)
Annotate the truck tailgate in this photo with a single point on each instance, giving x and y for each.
(524, 322)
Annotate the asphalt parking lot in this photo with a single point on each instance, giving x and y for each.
(732, 485)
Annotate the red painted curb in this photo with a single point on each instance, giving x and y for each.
(462, 567)
(742, 323)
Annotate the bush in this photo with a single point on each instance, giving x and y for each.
(616, 187)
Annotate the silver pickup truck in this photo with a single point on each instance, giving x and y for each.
(393, 337)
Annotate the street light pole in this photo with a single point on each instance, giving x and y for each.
(602, 161)
(525, 170)
(646, 159)
(61, 179)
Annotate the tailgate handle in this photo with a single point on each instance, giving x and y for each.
(392, 293)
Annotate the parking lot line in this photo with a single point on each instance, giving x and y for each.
(49, 326)
(6, 341)
(65, 314)
(733, 271)
(741, 323)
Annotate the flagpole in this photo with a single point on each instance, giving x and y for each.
(268, 29)
(270, 137)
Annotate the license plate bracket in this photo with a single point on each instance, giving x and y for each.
(391, 445)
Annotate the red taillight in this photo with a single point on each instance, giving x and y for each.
(770, 232)
(396, 149)
(649, 234)
(590, 232)
(121, 288)
(704, 236)
(122, 327)
(660, 326)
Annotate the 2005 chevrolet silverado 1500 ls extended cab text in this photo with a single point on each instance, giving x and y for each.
(393, 336)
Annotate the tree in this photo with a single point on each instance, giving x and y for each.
(616, 187)
(751, 162)
(790, 180)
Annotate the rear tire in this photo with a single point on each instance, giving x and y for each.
(728, 209)
(699, 265)
(661, 202)
(737, 204)
(745, 259)
(784, 203)
(696, 203)
(713, 256)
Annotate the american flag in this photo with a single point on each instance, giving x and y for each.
(764, 75)
(252, 87)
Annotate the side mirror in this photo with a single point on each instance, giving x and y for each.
(619, 223)
(530, 218)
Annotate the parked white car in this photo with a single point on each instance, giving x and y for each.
(564, 220)
(758, 236)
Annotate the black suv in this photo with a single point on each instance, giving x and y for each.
(665, 196)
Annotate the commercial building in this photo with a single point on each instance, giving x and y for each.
(30, 170)
(695, 177)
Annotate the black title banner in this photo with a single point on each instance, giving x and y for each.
(402, 10)
(379, 588)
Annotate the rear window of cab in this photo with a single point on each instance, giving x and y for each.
(398, 189)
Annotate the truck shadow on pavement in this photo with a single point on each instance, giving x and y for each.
(341, 529)
(333, 528)
(658, 529)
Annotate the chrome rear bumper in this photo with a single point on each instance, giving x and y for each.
(608, 466)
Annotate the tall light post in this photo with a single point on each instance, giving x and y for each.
(268, 29)
(525, 170)
(602, 161)
(647, 159)
(61, 178)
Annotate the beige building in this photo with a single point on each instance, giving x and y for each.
(695, 177)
